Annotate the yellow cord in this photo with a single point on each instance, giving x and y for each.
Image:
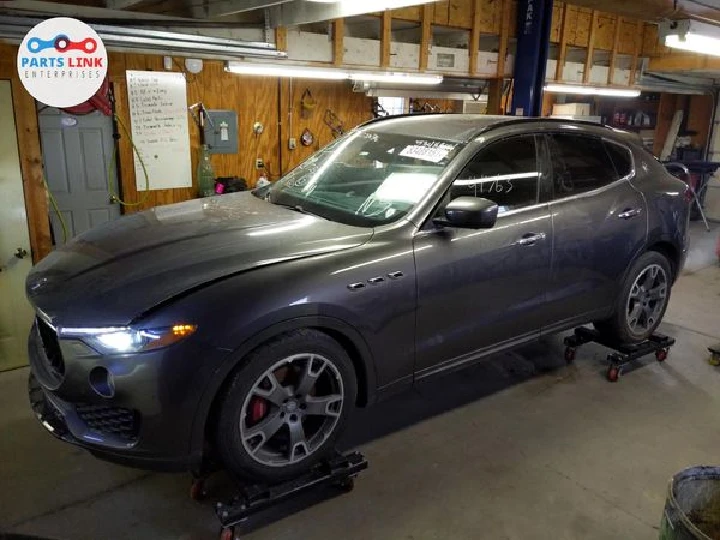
(111, 167)
(54, 204)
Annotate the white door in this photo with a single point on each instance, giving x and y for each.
(15, 262)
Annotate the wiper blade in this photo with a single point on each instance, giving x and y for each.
(298, 208)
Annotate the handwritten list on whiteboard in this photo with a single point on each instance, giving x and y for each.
(159, 120)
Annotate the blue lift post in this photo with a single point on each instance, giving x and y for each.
(533, 45)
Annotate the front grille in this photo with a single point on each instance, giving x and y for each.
(52, 359)
(123, 423)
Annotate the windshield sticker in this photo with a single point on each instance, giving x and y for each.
(433, 152)
(405, 187)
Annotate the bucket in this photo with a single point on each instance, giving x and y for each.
(692, 510)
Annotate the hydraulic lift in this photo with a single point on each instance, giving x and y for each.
(250, 499)
(624, 354)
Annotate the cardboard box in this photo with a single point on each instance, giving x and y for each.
(571, 109)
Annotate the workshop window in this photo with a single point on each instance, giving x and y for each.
(505, 172)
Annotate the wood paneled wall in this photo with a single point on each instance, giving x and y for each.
(253, 98)
(350, 107)
(459, 14)
(264, 99)
(698, 113)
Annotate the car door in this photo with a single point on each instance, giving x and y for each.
(480, 289)
(599, 225)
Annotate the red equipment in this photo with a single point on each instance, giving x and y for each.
(99, 102)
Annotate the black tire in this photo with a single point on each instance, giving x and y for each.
(617, 327)
(230, 447)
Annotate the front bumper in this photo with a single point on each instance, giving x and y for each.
(148, 417)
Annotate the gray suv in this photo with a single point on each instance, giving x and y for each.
(246, 327)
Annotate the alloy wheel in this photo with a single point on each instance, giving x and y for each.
(293, 407)
(647, 299)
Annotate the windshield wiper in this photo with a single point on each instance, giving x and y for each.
(298, 208)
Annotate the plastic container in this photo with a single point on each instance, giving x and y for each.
(692, 510)
(205, 174)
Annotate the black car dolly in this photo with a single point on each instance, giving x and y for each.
(338, 471)
(657, 344)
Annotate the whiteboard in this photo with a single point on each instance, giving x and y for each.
(159, 127)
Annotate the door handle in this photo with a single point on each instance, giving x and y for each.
(530, 239)
(21, 253)
(630, 213)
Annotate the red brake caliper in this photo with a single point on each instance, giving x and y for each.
(258, 409)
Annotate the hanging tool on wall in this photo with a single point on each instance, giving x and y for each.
(307, 138)
(424, 107)
(201, 118)
(334, 123)
(307, 104)
(378, 110)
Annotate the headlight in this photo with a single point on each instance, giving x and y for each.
(130, 340)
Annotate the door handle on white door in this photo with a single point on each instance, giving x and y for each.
(530, 239)
(630, 213)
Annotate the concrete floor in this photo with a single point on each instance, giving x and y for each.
(519, 447)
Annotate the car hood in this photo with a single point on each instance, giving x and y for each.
(112, 274)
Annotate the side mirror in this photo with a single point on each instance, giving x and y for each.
(471, 213)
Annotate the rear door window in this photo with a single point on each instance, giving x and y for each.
(579, 164)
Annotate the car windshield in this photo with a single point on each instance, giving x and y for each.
(366, 178)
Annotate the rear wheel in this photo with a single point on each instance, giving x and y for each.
(286, 407)
(642, 303)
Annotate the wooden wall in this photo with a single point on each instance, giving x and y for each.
(254, 99)
(350, 107)
(698, 112)
(262, 99)
(459, 14)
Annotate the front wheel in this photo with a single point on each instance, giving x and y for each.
(286, 406)
(642, 303)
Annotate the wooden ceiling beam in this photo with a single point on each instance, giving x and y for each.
(338, 37)
(684, 62)
(564, 35)
(636, 53)
(475, 37)
(426, 35)
(591, 46)
(614, 51)
(504, 38)
(386, 38)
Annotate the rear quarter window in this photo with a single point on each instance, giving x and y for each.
(621, 158)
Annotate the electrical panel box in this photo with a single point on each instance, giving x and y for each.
(221, 132)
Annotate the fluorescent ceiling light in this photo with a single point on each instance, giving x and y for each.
(592, 90)
(695, 43)
(278, 70)
(694, 36)
(397, 78)
(310, 72)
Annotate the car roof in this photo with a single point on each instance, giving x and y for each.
(462, 128)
